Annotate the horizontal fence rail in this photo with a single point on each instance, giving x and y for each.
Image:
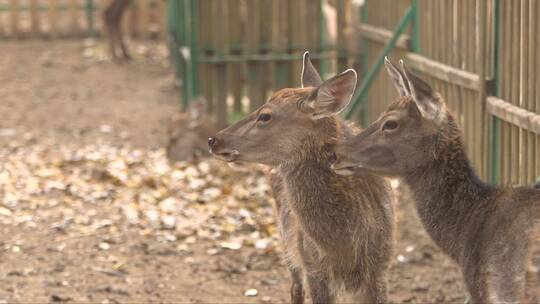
(77, 18)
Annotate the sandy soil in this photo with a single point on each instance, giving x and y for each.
(62, 93)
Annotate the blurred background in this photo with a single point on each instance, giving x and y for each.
(107, 193)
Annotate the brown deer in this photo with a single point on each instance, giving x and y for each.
(488, 231)
(112, 17)
(188, 132)
(337, 229)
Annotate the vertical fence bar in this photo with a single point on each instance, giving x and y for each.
(524, 96)
(175, 14)
(531, 84)
(280, 41)
(415, 35)
(220, 18)
(194, 47)
(144, 18)
(34, 18)
(133, 19)
(160, 19)
(207, 48)
(183, 44)
(89, 9)
(253, 67)
(364, 53)
(235, 48)
(74, 13)
(14, 15)
(514, 97)
(53, 18)
(482, 62)
(536, 65)
(495, 130)
(323, 64)
(343, 9)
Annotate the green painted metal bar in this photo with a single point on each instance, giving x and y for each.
(181, 23)
(323, 65)
(264, 57)
(415, 35)
(174, 45)
(89, 8)
(495, 132)
(370, 76)
(194, 48)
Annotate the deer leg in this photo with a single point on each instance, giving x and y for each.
(319, 288)
(110, 39)
(297, 286)
(125, 52)
(374, 291)
(114, 44)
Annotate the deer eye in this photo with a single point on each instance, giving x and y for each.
(390, 125)
(264, 117)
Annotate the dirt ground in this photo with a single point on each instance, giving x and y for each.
(66, 95)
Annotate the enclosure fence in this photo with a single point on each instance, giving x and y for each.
(482, 56)
(77, 18)
(235, 52)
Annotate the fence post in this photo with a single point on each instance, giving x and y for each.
(415, 35)
(194, 48)
(495, 132)
(481, 62)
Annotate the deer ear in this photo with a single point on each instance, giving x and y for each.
(427, 100)
(398, 79)
(310, 77)
(197, 108)
(333, 95)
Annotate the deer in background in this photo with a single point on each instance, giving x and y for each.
(188, 132)
(337, 230)
(112, 18)
(489, 231)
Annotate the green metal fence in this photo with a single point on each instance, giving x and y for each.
(455, 45)
(235, 52)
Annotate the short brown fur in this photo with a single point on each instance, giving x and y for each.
(337, 230)
(488, 231)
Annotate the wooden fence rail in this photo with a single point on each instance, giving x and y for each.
(76, 18)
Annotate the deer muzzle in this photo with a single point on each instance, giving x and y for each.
(220, 151)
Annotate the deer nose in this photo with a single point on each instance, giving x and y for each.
(211, 141)
(332, 158)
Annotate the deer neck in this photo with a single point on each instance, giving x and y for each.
(448, 194)
(321, 207)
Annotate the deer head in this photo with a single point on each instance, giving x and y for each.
(405, 136)
(289, 123)
(188, 132)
